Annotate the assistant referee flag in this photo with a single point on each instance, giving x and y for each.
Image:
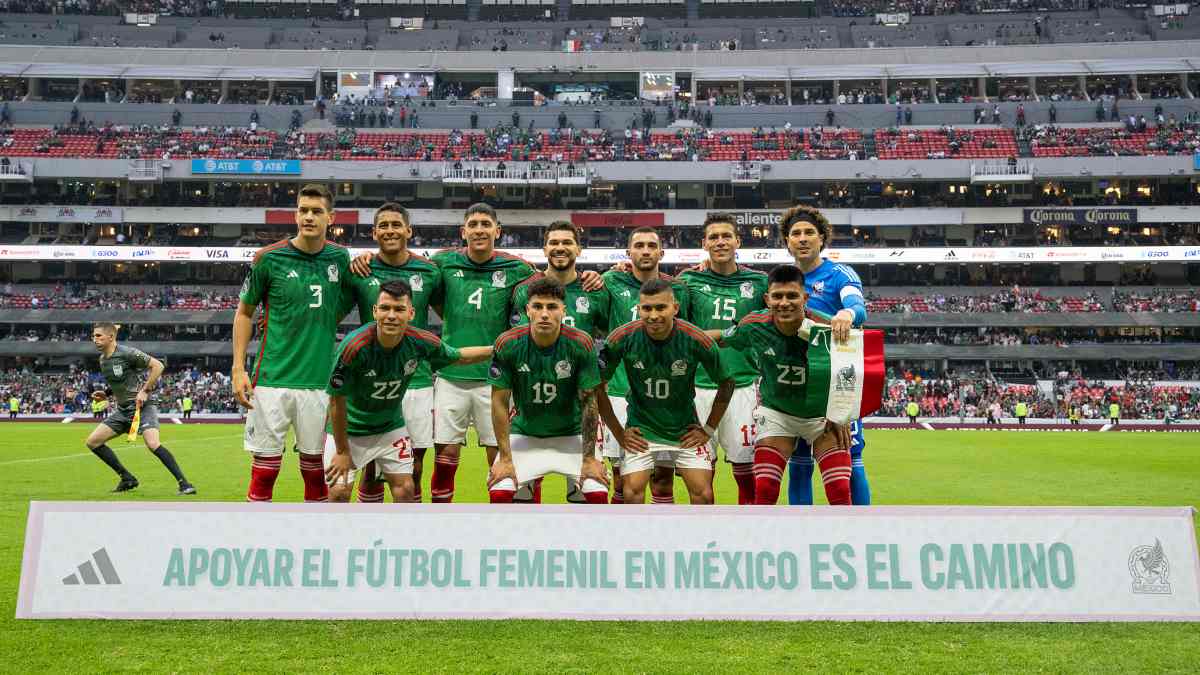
(845, 381)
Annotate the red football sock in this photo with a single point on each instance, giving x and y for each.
(502, 492)
(596, 497)
(441, 486)
(312, 470)
(768, 473)
(537, 491)
(743, 474)
(371, 491)
(835, 473)
(617, 497)
(263, 472)
(668, 498)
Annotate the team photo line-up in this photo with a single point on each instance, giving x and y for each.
(717, 357)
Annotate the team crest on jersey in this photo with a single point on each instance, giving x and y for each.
(333, 273)
(416, 282)
(410, 367)
(562, 369)
(679, 368)
(498, 279)
(118, 370)
(747, 289)
(818, 287)
(582, 306)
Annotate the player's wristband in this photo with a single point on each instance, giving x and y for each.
(712, 433)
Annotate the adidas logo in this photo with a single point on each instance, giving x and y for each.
(369, 373)
(458, 273)
(769, 352)
(638, 365)
(523, 369)
(293, 275)
(706, 288)
(88, 573)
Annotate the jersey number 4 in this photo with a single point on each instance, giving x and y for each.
(476, 298)
(386, 391)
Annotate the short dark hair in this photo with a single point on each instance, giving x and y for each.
(719, 217)
(392, 207)
(806, 214)
(786, 274)
(547, 288)
(656, 286)
(645, 229)
(317, 190)
(110, 328)
(397, 289)
(563, 226)
(480, 207)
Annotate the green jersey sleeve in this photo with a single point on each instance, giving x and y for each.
(254, 287)
(709, 357)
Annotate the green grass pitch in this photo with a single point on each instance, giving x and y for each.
(50, 462)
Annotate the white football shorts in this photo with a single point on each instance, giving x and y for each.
(391, 451)
(275, 410)
(456, 405)
(736, 431)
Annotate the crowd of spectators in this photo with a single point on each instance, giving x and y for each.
(1015, 299)
(77, 295)
(1060, 337)
(69, 392)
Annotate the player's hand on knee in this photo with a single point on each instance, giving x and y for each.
(338, 469)
(591, 280)
(501, 469)
(361, 265)
(694, 437)
(840, 434)
(243, 391)
(594, 469)
(633, 440)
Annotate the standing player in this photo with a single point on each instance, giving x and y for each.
(586, 311)
(547, 371)
(302, 284)
(122, 367)
(721, 294)
(835, 297)
(478, 283)
(374, 366)
(645, 253)
(660, 355)
(393, 261)
(775, 344)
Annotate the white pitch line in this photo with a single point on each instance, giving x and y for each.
(88, 454)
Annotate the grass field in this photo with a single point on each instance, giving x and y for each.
(49, 462)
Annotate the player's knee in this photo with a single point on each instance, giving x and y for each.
(339, 493)
(449, 450)
(402, 494)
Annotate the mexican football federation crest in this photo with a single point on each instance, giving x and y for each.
(582, 306)
(747, 289)
(333, 273)
(498, 279)
(562, 369)
(416, 282)
(1150, 570)
(679, 368)
(410, 367)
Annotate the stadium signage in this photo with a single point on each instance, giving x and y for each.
(289, 167)
(69, 214)
(478, 561)
(1080, 216)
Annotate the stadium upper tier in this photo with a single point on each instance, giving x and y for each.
(666, 26)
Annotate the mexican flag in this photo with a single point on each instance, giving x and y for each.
(845, 381)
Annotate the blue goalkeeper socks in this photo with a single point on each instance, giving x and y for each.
(860, 491)
(800, 471)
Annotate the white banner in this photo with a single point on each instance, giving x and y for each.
(290, 561)
(68, 214)
(600, 256)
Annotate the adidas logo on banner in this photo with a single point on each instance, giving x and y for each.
(523, 369)
(87, 572)
(293, 275)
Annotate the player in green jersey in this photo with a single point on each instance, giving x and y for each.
(122, 368)
(301, 284)
(393, 261)
(546, 371)
(776, 344)
(624, 283)
(374, 366)
(720, 294)
(660, 355)
(584, 310)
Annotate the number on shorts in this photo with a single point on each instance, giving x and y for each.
(658, 388)
(401, 446)
(476, 298)
(748, 434)
(544, 392)
(386, 391)
(316, 291)
(794, 375)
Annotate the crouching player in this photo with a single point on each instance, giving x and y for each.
(373, 368)
(548, 372)
(773, 342)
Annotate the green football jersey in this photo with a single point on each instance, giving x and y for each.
(303, 297)
(586, 310)
(373, 379)
(661, 376)
(123, 373)
(719, 301)
(426, 282)
(545, 383)
(623, 290)
(477, 303)
(782, 360)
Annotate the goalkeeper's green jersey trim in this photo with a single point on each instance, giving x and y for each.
(545, 382)
(303, 296)
(719, 301)
(623, 290)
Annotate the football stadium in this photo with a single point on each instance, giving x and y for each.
(791, 335)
